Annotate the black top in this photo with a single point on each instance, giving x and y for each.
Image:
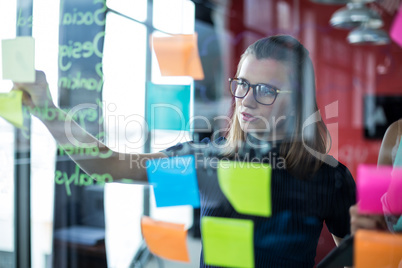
(299, 207)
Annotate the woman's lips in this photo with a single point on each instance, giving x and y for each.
(248, 117)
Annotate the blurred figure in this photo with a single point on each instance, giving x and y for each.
(390, 154)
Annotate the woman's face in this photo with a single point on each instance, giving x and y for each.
(265, 121)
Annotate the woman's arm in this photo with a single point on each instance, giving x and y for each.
(70, 136)
(387, 145)
(118, 165)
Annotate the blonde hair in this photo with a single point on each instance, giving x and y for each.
(299, 162)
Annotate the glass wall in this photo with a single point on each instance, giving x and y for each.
(45, 30)
(103, 70)
(123, 102)
(8, 17)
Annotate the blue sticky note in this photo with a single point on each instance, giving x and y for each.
(168, 106)
(174, 180)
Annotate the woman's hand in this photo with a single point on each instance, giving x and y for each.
(36, 94)
(362, 221)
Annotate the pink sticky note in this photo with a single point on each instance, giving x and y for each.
(378, 189)
(372, 183)
(396, 28)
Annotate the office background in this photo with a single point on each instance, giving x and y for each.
(358, 88)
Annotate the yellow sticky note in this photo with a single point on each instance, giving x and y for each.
(11, 107)
(228, 242)
(19, 59)
(165, 239)
(247, 186)
(178, 55)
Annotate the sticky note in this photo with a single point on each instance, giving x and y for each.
(378, 188)
(247, 186)
(228, 242)
(178, 55)
(174, 180)
(164, 239)
(11, 107)
(19, 59)
(168, 106)
(377, 249)
(396, 28)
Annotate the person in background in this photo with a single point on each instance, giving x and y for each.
(390, 155)
(274, 106)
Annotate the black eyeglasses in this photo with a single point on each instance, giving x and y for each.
(263, 93)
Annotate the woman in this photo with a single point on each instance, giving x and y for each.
(274, 105)
(390, 155)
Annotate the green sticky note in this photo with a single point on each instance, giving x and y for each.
(228, 242)
(168, 106)
(11, 107)
(19, 59)
(247, 186)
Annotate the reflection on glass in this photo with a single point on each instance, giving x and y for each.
(6, 194)
(124, 118)
(43, 147)
(7, 17)
(136, 9)
(174, 16)
(124, 85)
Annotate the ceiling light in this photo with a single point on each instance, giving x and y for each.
(354, 15)
(340, 2)
(364, 35)
(331, 2)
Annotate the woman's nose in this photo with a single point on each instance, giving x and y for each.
(249, 100)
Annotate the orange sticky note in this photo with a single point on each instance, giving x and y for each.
(164, 239)
(377, 249)
(178, 55)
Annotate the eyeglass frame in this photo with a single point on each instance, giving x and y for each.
(254, 86)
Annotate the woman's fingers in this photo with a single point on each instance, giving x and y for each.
(37, 93)
(40, 81)
(40, 78)
(26, 98)
(363, 221)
